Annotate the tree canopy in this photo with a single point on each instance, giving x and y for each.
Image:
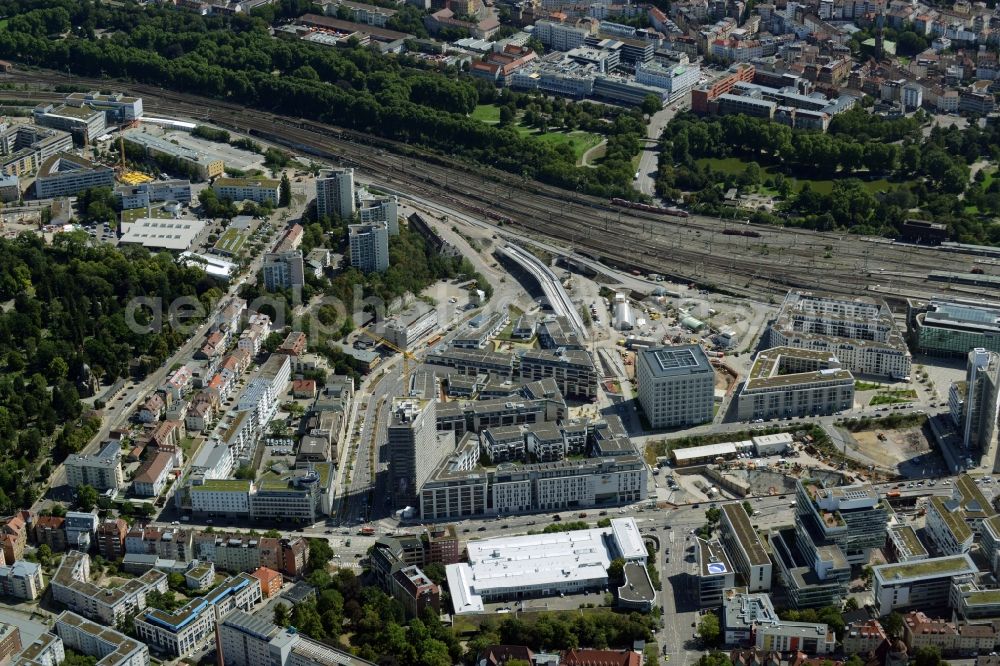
(235, 58)
(66, 314)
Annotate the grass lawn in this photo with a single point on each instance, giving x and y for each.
(988, 176)
(866, 386)
(893, 397)
(487, 113)
(513, 313)
(579, 141)
(735, 165)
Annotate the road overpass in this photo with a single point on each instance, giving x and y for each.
(551, 287)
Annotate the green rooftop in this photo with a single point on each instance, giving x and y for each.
(231, 241)
(983, 598)
(908, 536)
(974, 503)
(223, 485)
(954, 520)
(954, 565)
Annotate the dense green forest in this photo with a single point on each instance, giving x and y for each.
(236, 59)
(64, 306)
(926, 176)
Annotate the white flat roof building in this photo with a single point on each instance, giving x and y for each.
(709, 452)
(541, 564)
(154, 233)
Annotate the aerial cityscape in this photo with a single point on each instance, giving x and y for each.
(499, 333)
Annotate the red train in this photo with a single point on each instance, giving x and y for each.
(648, 208)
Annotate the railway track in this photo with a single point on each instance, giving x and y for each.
(688, 249)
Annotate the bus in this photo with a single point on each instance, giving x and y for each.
(434, 340)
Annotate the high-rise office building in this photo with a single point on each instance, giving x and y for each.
(369, 247)
(414, 448)
(835, 527)
(974, 403)
(335, 193)
(676, 385)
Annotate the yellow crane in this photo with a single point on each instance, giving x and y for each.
(407, 356)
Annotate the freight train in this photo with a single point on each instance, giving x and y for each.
(749, 233)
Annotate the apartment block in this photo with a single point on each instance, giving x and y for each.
(950, 638)
(72, 588)
(177, 634)
(111, 539)
(785, 381)
(10, 642)
(47, 650)
(860, 332)
(474, 361)
(103, 471)
(335, 193)
(676, 385)
(259, 190)
(415, 591)
(283, 270)
(250, 640)
(379, 209)
(108, 646)
(573, 370)
(369, 244)
(863, 636)
(51, 531)
(22, 580)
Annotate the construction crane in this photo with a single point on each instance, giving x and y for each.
(124, 174)
(407, 356)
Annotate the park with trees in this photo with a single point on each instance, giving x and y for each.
(65, 310)
(866, 174)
